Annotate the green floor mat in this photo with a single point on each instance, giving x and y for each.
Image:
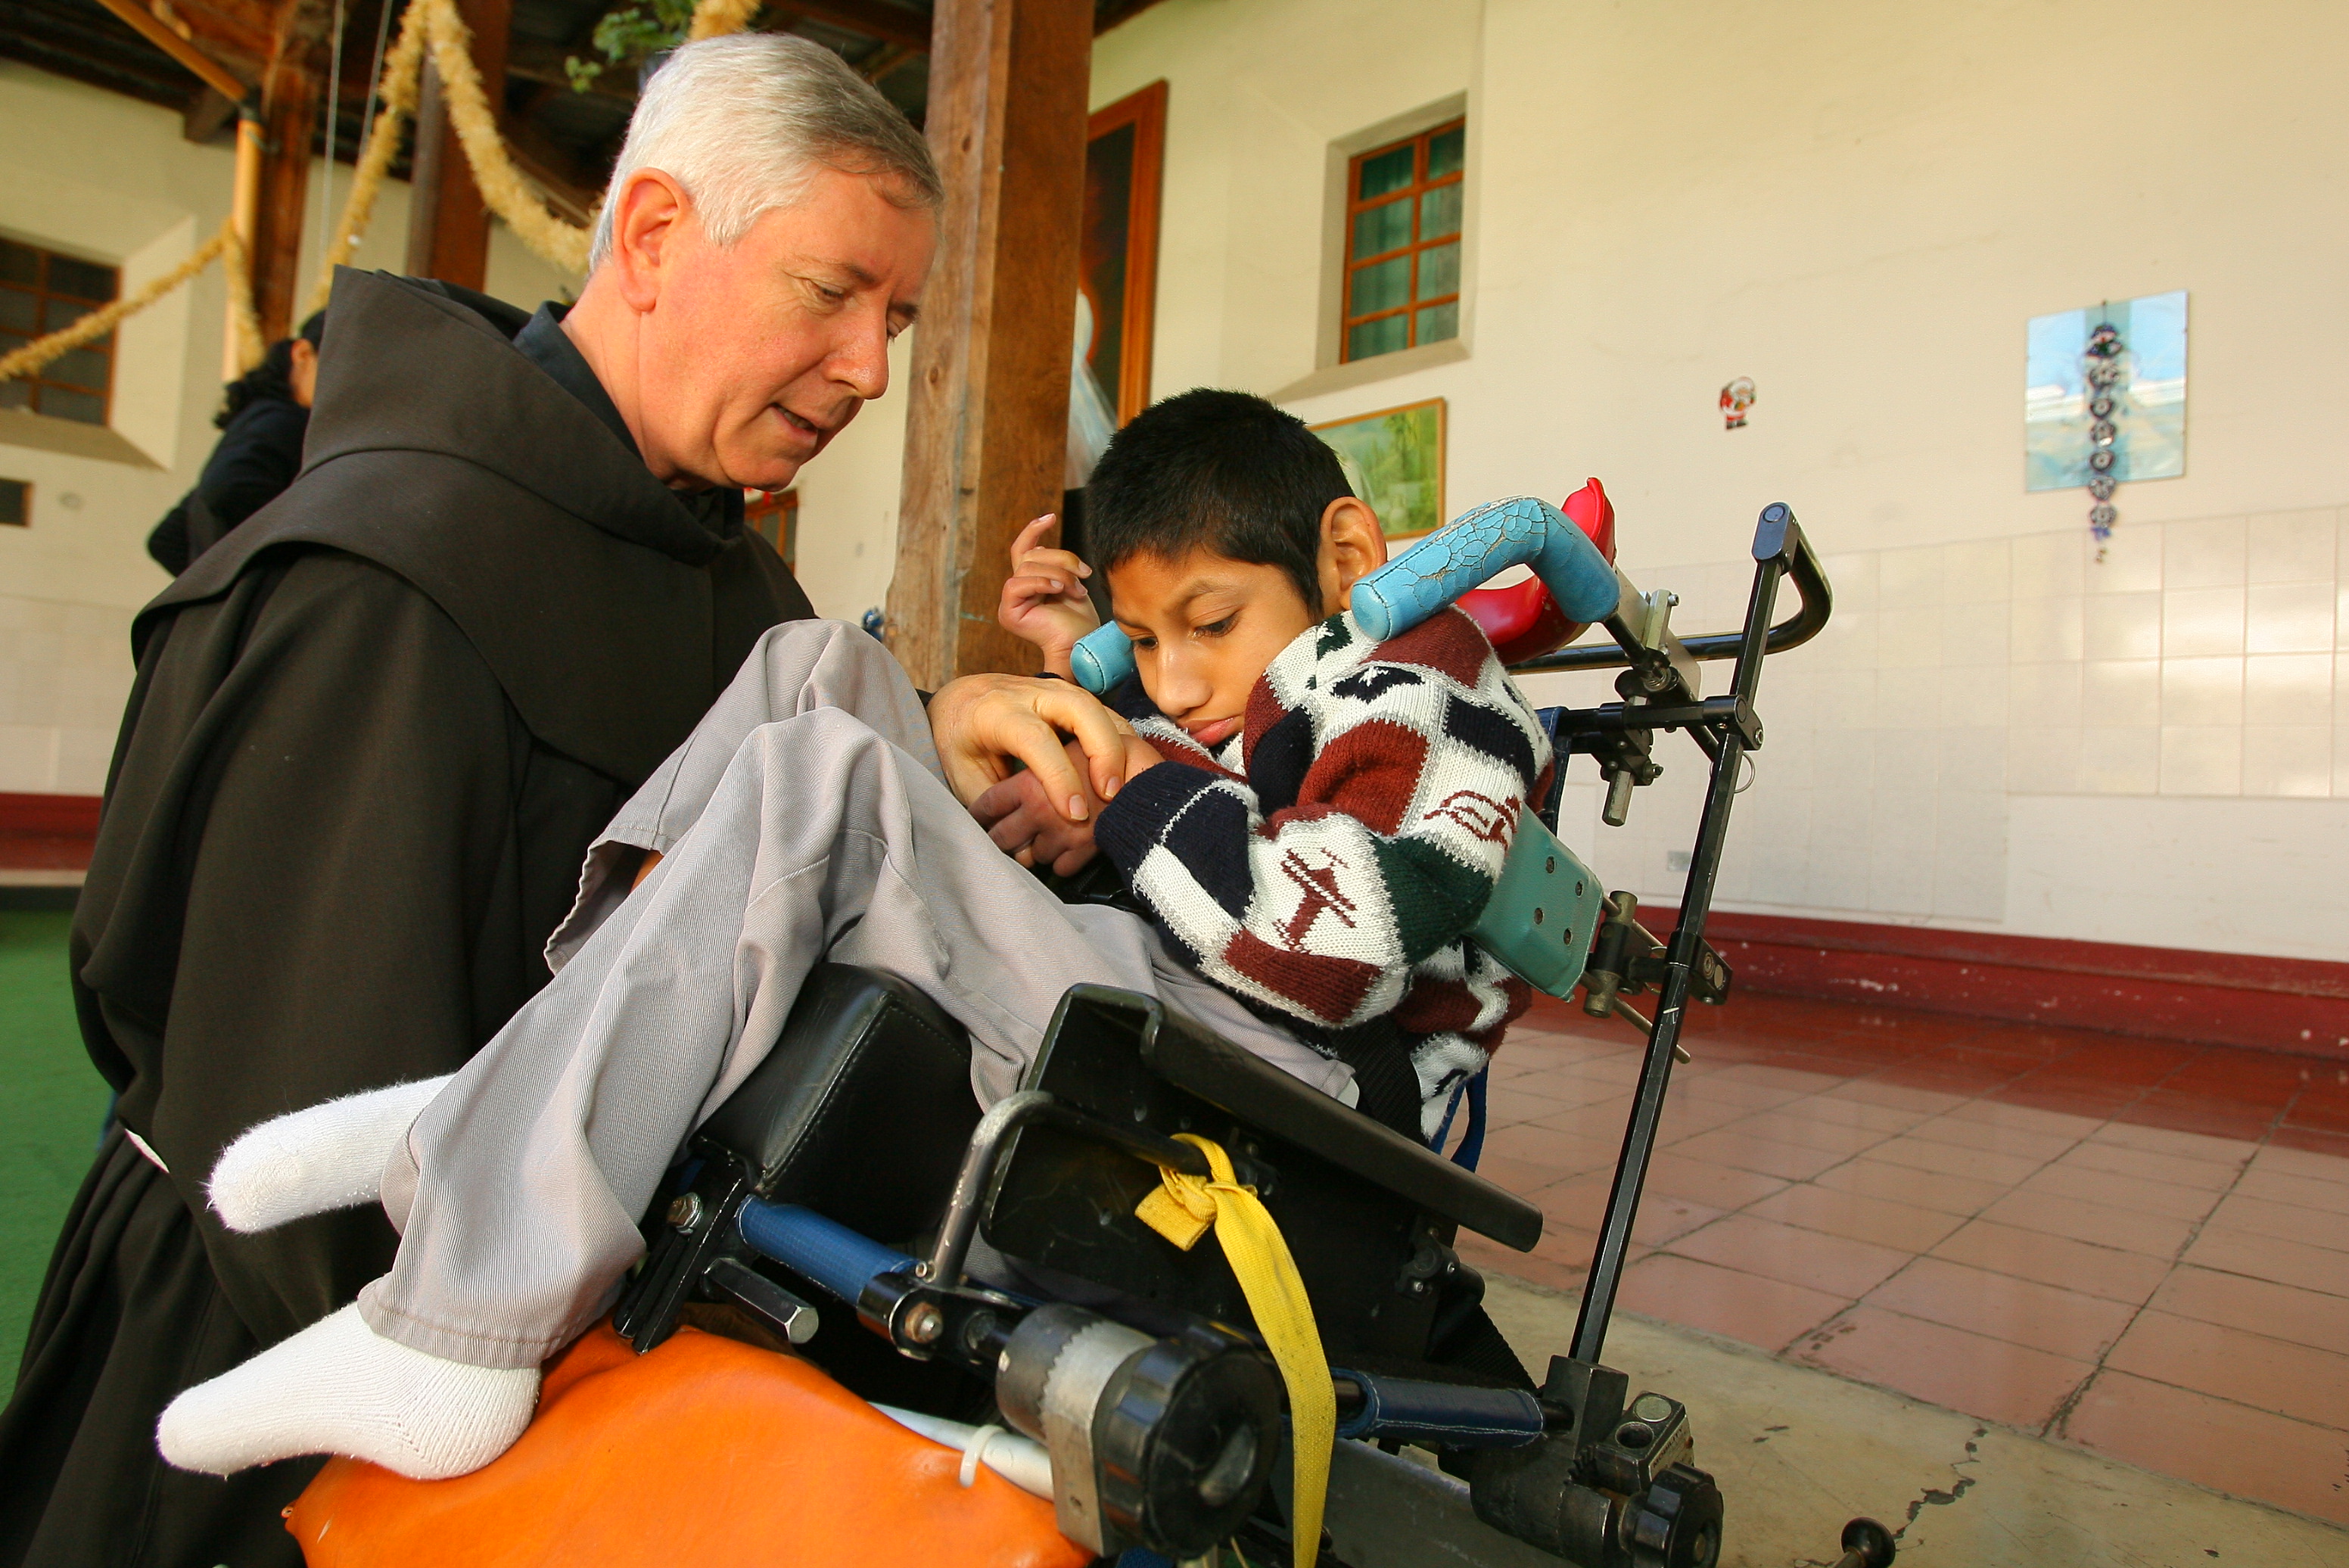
(51, 1103)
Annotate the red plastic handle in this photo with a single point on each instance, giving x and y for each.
(1523, 621)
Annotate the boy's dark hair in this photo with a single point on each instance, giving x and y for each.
(1224, 471)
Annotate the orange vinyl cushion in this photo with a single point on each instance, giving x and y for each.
(706, 1450)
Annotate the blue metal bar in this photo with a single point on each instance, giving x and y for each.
(821, 1250)
(1408, 1410)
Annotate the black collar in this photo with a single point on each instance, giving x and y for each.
(546, 345)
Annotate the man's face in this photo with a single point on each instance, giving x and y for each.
(755, 355)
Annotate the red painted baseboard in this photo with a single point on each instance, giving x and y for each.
(2295, 1004)
(47, 832)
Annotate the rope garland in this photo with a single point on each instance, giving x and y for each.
(432, 24)
(502, 187)
(715, 18)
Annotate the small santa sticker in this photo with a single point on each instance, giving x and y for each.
(1735, 399)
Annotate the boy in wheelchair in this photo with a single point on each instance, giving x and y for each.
(1308, 824)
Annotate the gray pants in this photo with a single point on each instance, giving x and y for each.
(802, 820)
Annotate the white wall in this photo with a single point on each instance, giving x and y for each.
(1859, 203)
(107, 177)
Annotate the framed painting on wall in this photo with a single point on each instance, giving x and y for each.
(1126, 154)
(2136, 420)
(1394, 459)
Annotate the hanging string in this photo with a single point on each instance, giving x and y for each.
(334, 124)
(397, 83)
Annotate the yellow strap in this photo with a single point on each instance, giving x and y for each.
(1182, 1208)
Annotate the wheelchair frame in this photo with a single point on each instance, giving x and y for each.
(1176, 1431)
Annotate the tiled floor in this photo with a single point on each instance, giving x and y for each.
(2132, 1245)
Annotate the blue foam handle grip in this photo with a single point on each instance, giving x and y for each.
(1479, 545)
(1102, 657)
(821, 1250)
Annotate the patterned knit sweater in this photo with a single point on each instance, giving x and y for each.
(1326, 862)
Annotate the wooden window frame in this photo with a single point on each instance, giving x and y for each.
(1356, 206)
(42, 294)
(1146, 111)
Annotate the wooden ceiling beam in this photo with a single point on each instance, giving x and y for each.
(870, 18)
(151, 28)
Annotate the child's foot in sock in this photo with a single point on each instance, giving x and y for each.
(329, 1156)
(338, 1387)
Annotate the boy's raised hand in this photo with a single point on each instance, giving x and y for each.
(1045, 600)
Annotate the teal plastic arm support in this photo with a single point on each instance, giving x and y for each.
(1544, 910)
(1102, 657)
(1481, 544)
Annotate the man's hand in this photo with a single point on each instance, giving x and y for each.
(980, 722)
(1045, 600)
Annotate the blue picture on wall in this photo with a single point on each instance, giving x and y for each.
(2145, 405)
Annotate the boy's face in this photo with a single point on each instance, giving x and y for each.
(1205, 626)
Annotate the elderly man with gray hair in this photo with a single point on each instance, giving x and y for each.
(374, 734)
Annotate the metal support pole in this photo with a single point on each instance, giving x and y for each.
(1656, 1071)
(1773, 558)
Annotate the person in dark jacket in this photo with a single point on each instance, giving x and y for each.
(374, 731)
(261, 422)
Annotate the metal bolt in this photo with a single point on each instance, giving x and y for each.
(924, 1324)
(684, 1212)
(1538, 917)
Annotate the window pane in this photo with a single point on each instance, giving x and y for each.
(1446, 153)
(1383, 335)
(1438, 321)
(83, 280)
(82, 367)
(14, 498)
(19, 311)
(20, 264)
(88, 407)
(57, 312)
(1378, 229)
(1382, 287)
(15, 393)
(1439, 269)
(1439, 211)
(1388, 171)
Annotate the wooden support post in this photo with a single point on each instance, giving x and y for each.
(448, 223)
(244, 212)
(986, 432)
(290, 94)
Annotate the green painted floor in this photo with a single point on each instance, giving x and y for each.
(51, 1102)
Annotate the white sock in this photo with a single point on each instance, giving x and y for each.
(338, 1387)
(330, 1156)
